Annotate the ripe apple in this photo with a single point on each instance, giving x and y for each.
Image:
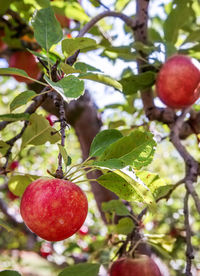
(178, 82)
(83, 231)
(46, 250)
(141, 266)
(27, 62)
(14, 165)
(63, 20)
(54, 209)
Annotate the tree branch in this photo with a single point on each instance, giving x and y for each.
(189, 248)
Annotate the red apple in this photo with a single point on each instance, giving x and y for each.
(3, 46)
(27, 62)
(83, 231)
(178, 82)
(140, 266)
(46, 250)
(11, 196)
(63, 20)
(14, 165)
(51, 119)
(54, 209)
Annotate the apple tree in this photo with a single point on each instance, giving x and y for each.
(100, 119)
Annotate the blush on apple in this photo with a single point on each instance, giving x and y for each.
(142, 265)
(27, 62)
(54, 209)
(178, 82)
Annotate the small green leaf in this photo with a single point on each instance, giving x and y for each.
(124, 226)
(178, 17)
(70, 46)
(3, 147)
(15, 117)
(84, 67)
(64, 154)
(110, 164)
(9, 273)
(39, 132)
(68, 87)
(135, 83)
(6, 226)
(121, 4)
(18, 183)
(84, 269)
(47, 29)
(115, 206)
(102, 140)
(136, 149)
(14, 71)
(107, 80)
(158, 186)
(122, 52)
(22, 99)
(126, 187)
(67, 69)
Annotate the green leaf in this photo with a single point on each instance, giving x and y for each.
(4, 5)
(110, 164)
(39, 132)
(121, 4)
(135, 83)
(18, 183)
(84, 67)
(67, 69)
(22, 99)
(68, 87)
(47, 29)
(70, 46)
(64, 154)
(6, 226)
(156, 184)
(122, 52)
(85, 269)
(125, 226)
(125, 187)
(192, 37)
(102, 140)
(9, 273)
(177, 18)
(74, 11)
(14, 71)
(15, 117)
(107, 80)
(136, 149)
(115, 206)
(3, 147)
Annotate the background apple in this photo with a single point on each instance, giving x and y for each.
(3, 46)
(141, 266)
(27, 62)
(11, 196)
(14, 165)
(46, 250)
(178, 82)
(63, 20)
(83, 231)
(54, 209)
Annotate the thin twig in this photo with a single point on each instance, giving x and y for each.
(63, 124)
(189, 248)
